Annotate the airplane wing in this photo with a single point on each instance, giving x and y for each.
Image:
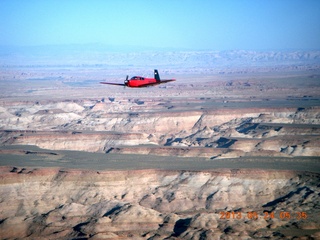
(117, 84)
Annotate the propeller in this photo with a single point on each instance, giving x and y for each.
(126, 82)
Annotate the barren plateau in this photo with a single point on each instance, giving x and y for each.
(225, 152)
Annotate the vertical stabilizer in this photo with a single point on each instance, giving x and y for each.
(156, 75)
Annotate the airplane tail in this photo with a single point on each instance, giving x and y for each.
(156, 75)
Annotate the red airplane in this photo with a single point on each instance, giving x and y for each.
(137, 81)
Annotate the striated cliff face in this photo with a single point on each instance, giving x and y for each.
(73, 140)
(215, 133)
(141, 204)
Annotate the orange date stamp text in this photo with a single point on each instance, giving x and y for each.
(283, 215)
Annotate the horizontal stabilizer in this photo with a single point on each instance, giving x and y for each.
(169, 80)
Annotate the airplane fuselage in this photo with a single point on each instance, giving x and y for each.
(137, 81)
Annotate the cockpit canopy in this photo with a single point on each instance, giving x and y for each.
(137, 78)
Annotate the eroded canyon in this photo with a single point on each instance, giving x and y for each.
(230, 154)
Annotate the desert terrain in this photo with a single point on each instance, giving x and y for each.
(228, 151)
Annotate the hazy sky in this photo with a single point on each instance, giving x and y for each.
(197, 24)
